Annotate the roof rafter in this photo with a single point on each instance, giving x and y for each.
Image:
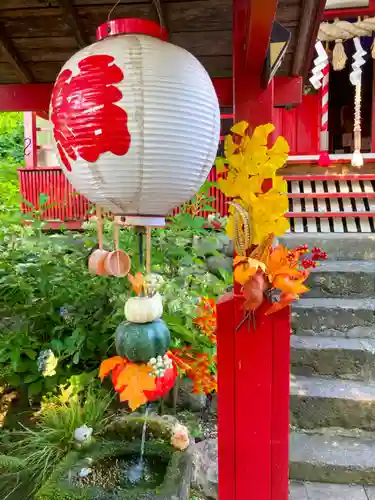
(12, 56)
(72, 19)
(312, 13)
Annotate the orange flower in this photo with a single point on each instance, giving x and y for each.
(199, 369)
(206, 320)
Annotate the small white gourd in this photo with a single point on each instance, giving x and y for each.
(144, 309)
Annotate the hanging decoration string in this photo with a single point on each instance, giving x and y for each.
(140, 231)
(159, 11)
(99, 217)
(116, 235)
(148, 250)
(356, 81)
(112, 9)
(340, 30)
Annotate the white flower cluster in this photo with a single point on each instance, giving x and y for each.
(160, 365)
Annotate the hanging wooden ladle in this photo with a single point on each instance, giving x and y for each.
(118, 262)
(98, 257)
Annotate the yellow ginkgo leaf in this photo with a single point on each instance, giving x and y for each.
(236, 161)
(221, 165)
(280, 147)
(229, 146)
(230, 227)
(240, 128)
(262, 132)
(281, 226)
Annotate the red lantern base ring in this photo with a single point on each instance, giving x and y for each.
(131, 26)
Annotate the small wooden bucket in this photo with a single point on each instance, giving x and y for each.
(98, 257)
(117, 263)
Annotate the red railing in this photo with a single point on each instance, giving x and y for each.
(67, 204)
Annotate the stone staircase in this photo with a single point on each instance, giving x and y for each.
(333, 372)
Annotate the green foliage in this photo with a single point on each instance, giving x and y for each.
(49, 301)
(11, 464)
(50, 490)
(9, 197)
(11, 137)
(42, 447)
(59, 487)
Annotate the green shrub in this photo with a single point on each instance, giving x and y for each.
(49, 301)
(12, 137)
(41, 448)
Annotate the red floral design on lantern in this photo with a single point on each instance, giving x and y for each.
(86, 122)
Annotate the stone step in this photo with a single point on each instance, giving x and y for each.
(349, 246)
(333, 357)
(325, 491)
(343, 279)
(329, 402)
(332, 459)
(334, 317)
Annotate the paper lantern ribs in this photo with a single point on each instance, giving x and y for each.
(136, 122)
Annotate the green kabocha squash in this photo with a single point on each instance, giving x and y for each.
(139, 342)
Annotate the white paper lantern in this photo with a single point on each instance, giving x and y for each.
(136, 121)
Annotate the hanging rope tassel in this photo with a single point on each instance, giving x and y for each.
(357, 159)
(339, 57)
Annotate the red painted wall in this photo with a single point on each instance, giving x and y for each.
(300, 125)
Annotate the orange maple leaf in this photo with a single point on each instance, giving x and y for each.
(289, 286)
(135, 379)
(285, 300)
(253, 291)
(137, 282)
(109, 364)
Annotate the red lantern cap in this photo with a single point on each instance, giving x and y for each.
(131, 26)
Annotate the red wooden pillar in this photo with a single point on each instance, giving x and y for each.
(31, 152)
(253, 365)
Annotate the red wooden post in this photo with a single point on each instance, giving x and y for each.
(31, 153)
(253, 365)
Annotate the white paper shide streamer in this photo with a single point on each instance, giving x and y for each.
(356, 81)
(319, 64)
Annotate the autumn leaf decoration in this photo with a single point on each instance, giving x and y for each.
(257, 214)
(137, 282)
(130, 380)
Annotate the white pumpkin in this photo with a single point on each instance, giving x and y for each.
(144, 309)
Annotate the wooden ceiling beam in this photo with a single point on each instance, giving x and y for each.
(312, 14)
(11, 55)
(72, 19)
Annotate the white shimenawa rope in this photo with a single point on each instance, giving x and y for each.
(340, 30)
